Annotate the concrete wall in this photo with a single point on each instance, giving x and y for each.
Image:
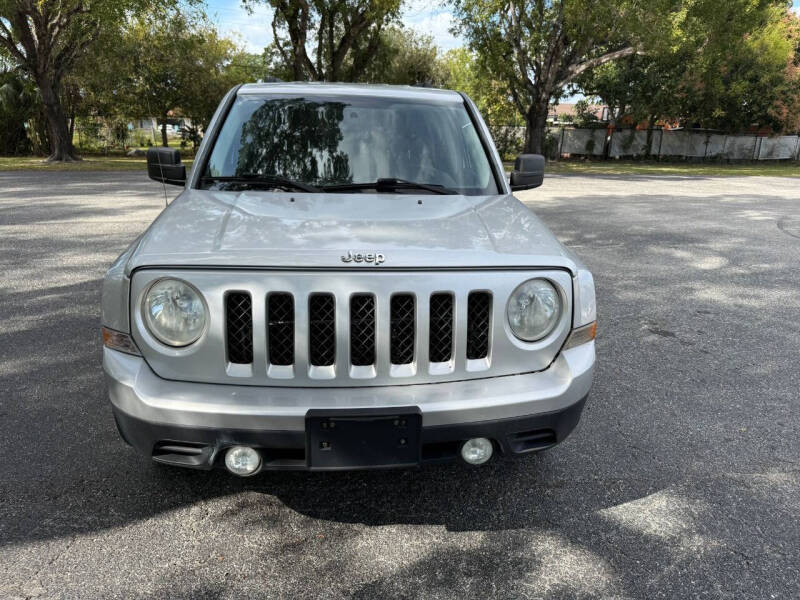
(682, 143)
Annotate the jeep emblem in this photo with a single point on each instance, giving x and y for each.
(365, 257)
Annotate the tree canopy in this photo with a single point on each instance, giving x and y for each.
(732, 66)
(539, 47)
(46, 38)
(328, 40)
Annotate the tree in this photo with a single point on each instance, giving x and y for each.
(246, 67)
(403, 57)
(328, 40)
(465, 73)
(729, 70)
(166, 65)
(17, 106)
(752, 81)
(46, 38)
(539, 46)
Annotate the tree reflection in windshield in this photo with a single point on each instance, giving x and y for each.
(295, 138)
(331, 139)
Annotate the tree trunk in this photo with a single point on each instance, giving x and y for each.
(536, 127)
(61, 148)
(164, 141)
(648, 151)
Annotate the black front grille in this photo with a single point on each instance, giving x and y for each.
(280, 328)
(322, 330)
(401, 336)
(239, 327)
(362, 330)
(479, 313)
(440, 348)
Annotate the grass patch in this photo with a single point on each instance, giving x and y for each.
(563, 167)
(89, 163)
(621, 167)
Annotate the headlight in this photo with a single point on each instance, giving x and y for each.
(533, 310)
(174, 312)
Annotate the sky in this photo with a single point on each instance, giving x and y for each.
(254, 31)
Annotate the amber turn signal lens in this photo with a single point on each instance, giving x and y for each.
(581, 335)
(116, 340)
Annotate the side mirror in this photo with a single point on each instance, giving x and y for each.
(164, 165)
(528, 172)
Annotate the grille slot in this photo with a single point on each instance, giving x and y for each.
(280, 328)
(239, 327)
(479, 312)
(362, 330)
(401, 336)
(321, 330)
(440, 347)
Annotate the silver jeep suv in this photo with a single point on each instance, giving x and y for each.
(346, 282)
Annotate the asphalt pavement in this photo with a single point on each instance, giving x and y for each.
(681, 481)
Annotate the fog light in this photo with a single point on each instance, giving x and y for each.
(242, 461)
(477, 451)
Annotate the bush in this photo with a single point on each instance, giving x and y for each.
(118, 133)
(140, 138)
(190, 134)
(509, 141)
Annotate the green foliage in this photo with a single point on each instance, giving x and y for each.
(16, 108)
(245, 67)
(166, 65)
(584, 114)
(397, 55)
(403, 57)
(118, 133)
(48, 38)
(538, 47)
(728, 66)
(464, 73)
(722, 62)
(191, 134)
(326, 40)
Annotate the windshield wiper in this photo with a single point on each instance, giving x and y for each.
(270, 180)
(389, 185)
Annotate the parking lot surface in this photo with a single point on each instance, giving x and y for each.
(682, 480)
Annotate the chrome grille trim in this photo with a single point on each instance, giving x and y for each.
(274, 364)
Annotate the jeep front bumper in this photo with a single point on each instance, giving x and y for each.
(189, 424)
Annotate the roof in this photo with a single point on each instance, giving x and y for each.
(351, 89)
(568, 109)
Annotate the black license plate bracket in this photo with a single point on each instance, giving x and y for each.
(363, 438)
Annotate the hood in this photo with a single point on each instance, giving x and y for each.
(298, 230)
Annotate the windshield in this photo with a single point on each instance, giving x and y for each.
(335, 140)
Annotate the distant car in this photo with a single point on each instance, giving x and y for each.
(346, 282)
